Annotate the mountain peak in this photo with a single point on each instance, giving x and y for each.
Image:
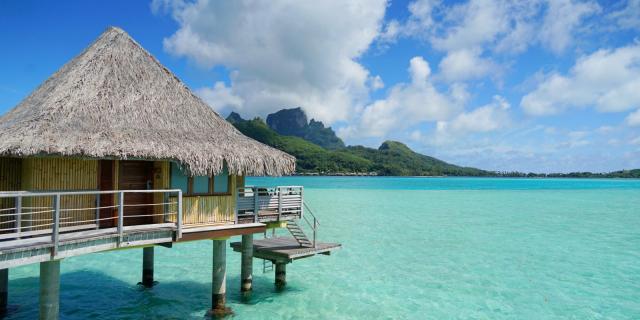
(234, 117)
(288, 122)
(293, 122)
(394, 145)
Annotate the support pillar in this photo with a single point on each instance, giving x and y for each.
(147, 267)
(281, 274)
(49, 289)
(4, 290)
(219, 279)
(246, 272)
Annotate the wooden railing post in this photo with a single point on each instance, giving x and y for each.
(120, 215)
(18, 215)
(315, 230)
(235, 208)
(256, 206)
(56, 225)
(301, 202)
(179, 218)
(97, 211)
(279, 190)
(166, 208)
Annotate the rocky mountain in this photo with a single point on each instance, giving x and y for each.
(391, 158)
(293, 122)
(290, 132)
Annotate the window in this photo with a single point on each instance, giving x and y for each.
(221, 182)
(178, 179)
(200, 185)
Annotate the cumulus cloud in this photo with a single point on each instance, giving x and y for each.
(221, 98)
(490, 117)
(629, 16)
(282, 53)
(560, 21)
(464, 64)
(606, 79)
(472, 24)
(376, 83)
(419, 23)
(633, 119)
(498, 26)
(408, 104)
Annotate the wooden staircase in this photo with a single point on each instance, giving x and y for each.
(297, 233)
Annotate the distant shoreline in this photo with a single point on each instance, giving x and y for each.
(537, 176)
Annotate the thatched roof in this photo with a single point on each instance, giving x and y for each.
(116, 101)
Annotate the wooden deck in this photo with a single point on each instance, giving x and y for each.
(200, 232)
(285, 249)
(39, 249)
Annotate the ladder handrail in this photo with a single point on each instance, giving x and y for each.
(314, 226)
(311, 212)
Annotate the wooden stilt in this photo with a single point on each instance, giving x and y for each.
(281, 274)
(219, 279)
(147, 267)
(4, 290)
(246, 272)
(49, 290)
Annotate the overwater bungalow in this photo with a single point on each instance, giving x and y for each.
(113, 151)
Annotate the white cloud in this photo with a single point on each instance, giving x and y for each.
(629, 16)
(496, 25)
(419, 23)
(460, 65)
(419, 70)
(376, 83)
(490, 117)
(609, 80)
(633, 119)
(416, 135)
(420, 19)
(561, 19)
(221, 98)
(283, 53)
(407, 104)
(472, 24)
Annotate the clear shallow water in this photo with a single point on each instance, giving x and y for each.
(414, 248)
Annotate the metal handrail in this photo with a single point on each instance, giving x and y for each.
(257, 195)
(56, 210)
(315, 225)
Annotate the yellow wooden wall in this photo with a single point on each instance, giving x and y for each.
(10, 175)
(209, 209)
(64, 174)
(161, 176)
(59, 174)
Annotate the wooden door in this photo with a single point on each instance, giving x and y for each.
(106, 178)
(136, 175)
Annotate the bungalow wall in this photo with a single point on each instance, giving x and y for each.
(59, 174)
(67, 174)
(10, 174)
(205, 209)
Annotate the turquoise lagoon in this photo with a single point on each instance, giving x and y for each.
(414, 248)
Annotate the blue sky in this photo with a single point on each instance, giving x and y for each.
(543, 85)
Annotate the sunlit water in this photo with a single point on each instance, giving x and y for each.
(413, 248)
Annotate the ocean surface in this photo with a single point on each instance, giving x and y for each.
(413, 248)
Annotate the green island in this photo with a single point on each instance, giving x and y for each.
(320, 152)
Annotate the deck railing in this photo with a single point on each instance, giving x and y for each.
(40, 214)
(269, 203)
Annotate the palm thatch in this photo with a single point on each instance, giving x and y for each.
(116, 101)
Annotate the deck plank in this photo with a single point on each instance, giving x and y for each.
(285, 248)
